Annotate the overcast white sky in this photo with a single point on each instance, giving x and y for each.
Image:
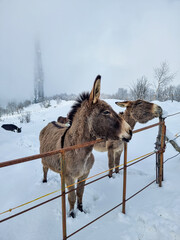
(119, 39)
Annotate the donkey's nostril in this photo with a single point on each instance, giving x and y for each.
(130, 132)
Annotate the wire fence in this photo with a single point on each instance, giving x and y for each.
(126, 164)
(37, 156)
(48, 194)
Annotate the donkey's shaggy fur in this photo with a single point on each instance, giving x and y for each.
(136, 111)
(90, 118)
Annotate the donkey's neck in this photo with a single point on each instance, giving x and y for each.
(79, 132)
(129, 119)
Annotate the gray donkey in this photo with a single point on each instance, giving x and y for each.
(90, 118)
(136, 111)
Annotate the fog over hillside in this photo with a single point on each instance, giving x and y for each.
(121, 40)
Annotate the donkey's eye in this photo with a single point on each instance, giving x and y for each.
(106, 112)
(138, 103)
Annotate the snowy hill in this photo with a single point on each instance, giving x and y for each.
(153, 214)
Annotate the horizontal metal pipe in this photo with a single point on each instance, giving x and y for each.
(145, 128)
(37, 156)
(33, 157)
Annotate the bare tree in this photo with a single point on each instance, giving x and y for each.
(168, 93)
(139, 90)
(25, 117)
(11, 108)
(151, 95)
(177, 93)
(2, 111)
(163, 78)
(20, 107)
(26, 103)
(121, 94)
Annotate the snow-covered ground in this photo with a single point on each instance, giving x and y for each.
(152, 214)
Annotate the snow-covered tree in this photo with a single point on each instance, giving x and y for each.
(139, 89)
(163, 78)
(121, 94)
(177, 93)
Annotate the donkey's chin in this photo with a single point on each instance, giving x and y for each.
(127, 137)
(111, 138)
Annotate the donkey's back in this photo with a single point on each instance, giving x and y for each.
(50, 140)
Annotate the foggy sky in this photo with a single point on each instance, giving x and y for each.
(120, 40)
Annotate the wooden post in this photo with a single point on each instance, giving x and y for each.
(160, 146)
(124, 178)
(161, 154)
(63, 198)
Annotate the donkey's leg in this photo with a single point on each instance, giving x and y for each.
(80, 191)
(117, 160)
(71, 196)
(80, 185)
(45, 170)
(111, 160)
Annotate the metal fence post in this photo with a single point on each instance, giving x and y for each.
(63, 196)
(164, 146)
(124, 178)
(163, 129)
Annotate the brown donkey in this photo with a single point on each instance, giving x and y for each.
(136, 111)
(90, 118)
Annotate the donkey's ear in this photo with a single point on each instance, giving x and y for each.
(123, 104)
(95, 92)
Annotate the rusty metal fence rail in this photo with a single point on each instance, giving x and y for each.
(159, 174)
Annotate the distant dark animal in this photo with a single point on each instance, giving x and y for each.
(90, 118)
(11, 127)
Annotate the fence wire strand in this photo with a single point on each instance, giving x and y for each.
(110, 210)
(171, 157)
(36, 199)
(170, 115)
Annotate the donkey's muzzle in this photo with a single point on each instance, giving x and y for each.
(158, 111)
(128, 136)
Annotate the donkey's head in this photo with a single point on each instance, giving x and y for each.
(102, 120)
(141, 111)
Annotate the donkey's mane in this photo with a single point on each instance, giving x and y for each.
(82, 97)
